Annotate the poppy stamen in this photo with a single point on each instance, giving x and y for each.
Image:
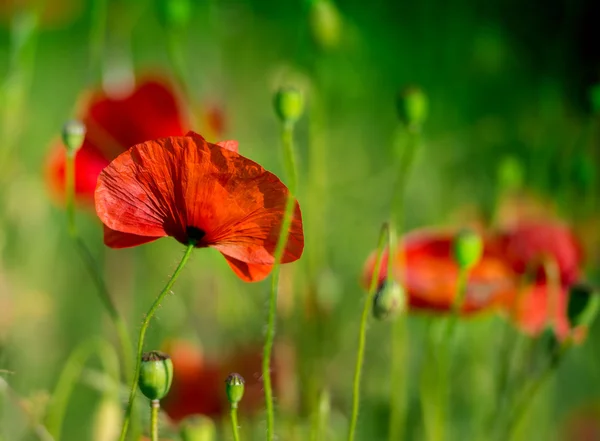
(194, 234)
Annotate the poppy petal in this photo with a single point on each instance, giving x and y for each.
(229, 145)
(249, 272)
(117, 239)
(172, 185)
(88, 165)
(429, 273)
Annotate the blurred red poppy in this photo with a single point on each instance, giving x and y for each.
(113, 125)
(199, 384)
(527, 244)
(431, 274)
(200, 193)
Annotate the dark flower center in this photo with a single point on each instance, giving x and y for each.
(194, 234)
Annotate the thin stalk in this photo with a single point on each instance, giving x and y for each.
(93, 270)
(288, 215)
(154, 408)
(399, 329)
(362, 335)
(234, 423)
(97, 35)
(142, 335)
(398, 376)
(459, 300)
(528, 395)
(70, 375)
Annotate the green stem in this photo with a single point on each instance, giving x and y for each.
(234, 423)
(154, 408)
(142, 335)
(92, 268)
(398, 376)
(362, 336)
(398, 338)
(97, 35)
(521, 407)
(459, 300)
(71, 373)
(288, 215)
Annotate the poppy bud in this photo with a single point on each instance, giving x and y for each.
(289, 104)
(175, 13)
(583, 305)
(325, 23)
(197, 428)
(234, 387)
(412, 105)
(389, 300)
(595, 98)
(73, 134)
(510, 173)
(156, 375)
(467, 249)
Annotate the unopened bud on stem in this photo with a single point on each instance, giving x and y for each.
(73, 135)
(234, 387)
(156, 375)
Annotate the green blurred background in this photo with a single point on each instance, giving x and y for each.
(503, 79)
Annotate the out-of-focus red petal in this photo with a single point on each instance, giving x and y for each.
(88, 165)
(249, 272)
(198, 386)
(150, 112)
(529, 243)
(429, 274)
(536, 308)
(113, 125)
(116, 239)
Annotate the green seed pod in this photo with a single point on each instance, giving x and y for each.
(234, 387)
(325, 23)
(197, 428)
(510, 174)
(175, 13)
(412, 106)
(583, 305)
(156, 375)
(389, 300)
(289, 104)
(73, 135)
(467, 249)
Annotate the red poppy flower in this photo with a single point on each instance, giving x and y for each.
(528, 244)
(536, 308)
(199, 385)
(431, 274)
(200, 193)
(113, 125)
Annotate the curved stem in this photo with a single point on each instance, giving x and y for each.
(362, 335)
(288, 215)
(234, 423)
(143, 329)
(154, 407)
(71, 373)
(522, 406)
(92, 268)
